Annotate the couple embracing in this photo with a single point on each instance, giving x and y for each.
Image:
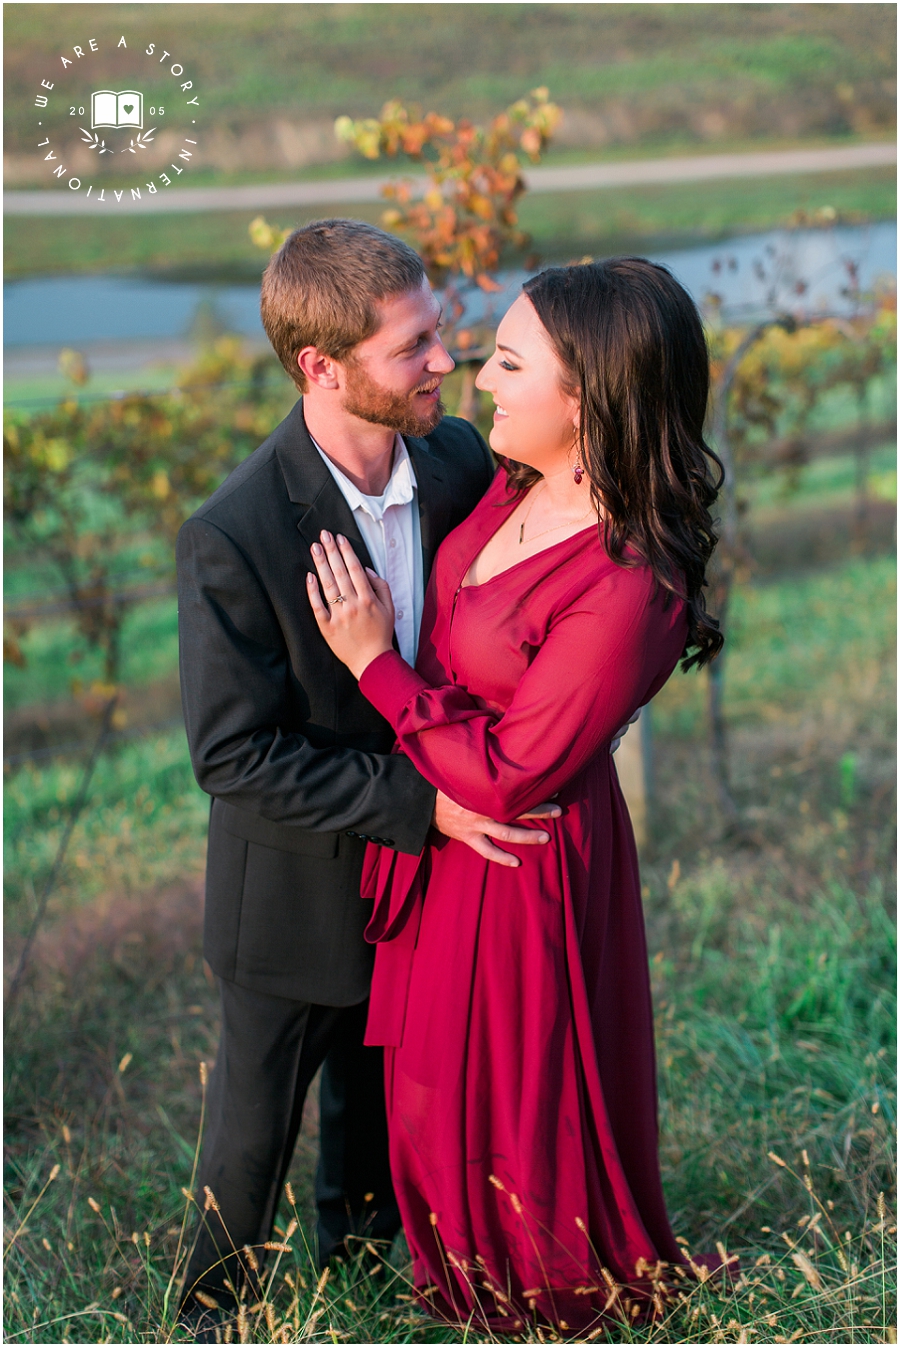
(403, 670)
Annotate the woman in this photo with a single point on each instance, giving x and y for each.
(514, 1003)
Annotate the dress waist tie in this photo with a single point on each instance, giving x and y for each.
(395, 882)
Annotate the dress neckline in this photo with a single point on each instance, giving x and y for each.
(590, 528)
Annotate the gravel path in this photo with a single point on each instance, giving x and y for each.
(347, 191)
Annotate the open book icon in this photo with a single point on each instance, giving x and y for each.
(117, 109)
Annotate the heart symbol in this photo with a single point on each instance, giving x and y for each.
(129, 107)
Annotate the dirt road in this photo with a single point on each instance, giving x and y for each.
(347, 191)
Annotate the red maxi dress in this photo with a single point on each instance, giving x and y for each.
(514, 1004)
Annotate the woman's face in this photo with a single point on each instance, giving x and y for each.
(536, 420)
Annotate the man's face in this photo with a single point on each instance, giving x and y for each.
(394, 377)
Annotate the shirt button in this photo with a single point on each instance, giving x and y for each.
(399, 612)
(393, 542)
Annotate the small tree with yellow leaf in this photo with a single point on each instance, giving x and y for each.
(466, 220)
(467, 217)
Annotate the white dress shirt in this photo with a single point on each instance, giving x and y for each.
(389, 526)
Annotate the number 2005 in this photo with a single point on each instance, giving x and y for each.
(154, 112)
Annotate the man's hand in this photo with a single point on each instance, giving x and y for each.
(477, 831)
(620, 734)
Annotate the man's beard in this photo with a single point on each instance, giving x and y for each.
(366, 399)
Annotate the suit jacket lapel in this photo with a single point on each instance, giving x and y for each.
(433, 505)
(310, 484)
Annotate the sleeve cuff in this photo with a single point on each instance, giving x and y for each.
(390, 684)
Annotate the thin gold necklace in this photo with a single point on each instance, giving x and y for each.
(566, 524)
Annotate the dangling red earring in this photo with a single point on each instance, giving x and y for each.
(578, 473)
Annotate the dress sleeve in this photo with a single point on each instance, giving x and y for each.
(605, 656)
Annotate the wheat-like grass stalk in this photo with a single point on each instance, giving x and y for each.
(190, 1201)
(23, 1224)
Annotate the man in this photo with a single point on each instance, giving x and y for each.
(299, 765)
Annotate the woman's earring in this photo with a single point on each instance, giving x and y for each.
(578, 472)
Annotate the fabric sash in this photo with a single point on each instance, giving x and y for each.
(395, 883)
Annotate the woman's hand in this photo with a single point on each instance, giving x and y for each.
(357, 615)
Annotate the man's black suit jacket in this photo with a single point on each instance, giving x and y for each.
(297, 761)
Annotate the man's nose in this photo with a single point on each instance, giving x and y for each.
(440, 361)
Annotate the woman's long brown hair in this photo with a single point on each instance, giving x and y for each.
(632, 345)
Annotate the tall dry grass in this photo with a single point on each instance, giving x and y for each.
(772, 960)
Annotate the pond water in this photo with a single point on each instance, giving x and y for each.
(810, 269)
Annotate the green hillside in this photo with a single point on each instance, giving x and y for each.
(630, 74)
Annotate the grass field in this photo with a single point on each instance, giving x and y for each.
(667, 74)
(772, 960)
(567, 224)
(563, 225)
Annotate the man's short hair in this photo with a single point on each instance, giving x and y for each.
(321, 288)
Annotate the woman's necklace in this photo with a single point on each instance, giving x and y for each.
(566, 524)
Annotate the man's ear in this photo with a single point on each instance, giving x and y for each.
(320, 369)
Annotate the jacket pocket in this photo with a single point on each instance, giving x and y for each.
(278, 836)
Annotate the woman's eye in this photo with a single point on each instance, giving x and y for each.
(505, 364)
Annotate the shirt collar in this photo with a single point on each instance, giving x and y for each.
(399, 490)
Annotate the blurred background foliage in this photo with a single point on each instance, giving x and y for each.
(771, 942)
(92, 489)
(468, 216)
(97, 487)
(638, 80)
(633, 75)
(562, 225)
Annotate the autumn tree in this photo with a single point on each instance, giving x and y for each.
(88, 485)
(466, 221)
(467, 217)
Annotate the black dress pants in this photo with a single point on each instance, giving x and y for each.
(270, 1050)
